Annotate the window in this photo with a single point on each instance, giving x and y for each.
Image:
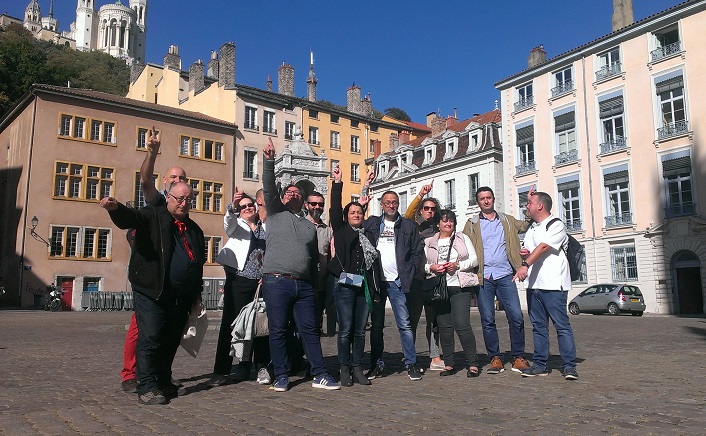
(77, 181)
(96, 127)
(213, 150)
(450, 149)
(473, 185)
(583, 278)
(213, 246)
(611, 115)
(288, 130)
(570, 209)
(428, 155)
(334, 164)
(250, 164)
(522, 199)
(524, 145)
(184, 146)
(450, 194)
(355, 172)
(354, 124)
(355, 197)
(384, 167)
(76, 127)
(207, 195)
(403, 200)
(565, 137)
(608, 64)
(666, 43)
(79, 242)
(617, 193)
(334, 119)
(314, 135)
(250, 118)
(474, 142)
(65, 125)
(525, 98)
(108, 129)
(676, 170)
(335, 140)
(199, 148)
(374, 128)
(139, 201)
(670, 91)
(91, 284)
(355, 144)
(141, 139)
(624, 263)
(268, 122)
(371, 149)
(79, 127)
(562, 82)
(195, 147)
(313, 114)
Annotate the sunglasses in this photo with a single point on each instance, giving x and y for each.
(429, 207)
(246, 205)
(316, 203)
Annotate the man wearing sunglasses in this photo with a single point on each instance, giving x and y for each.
(289, 271)
(324, 300)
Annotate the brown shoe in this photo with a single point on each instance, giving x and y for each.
(496, 366)
(520, 364)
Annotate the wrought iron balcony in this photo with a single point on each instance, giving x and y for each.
(620, 219)
(524, 168)
(250, 175)
(566, 157)
(673, 129)
(269, 130)
(680, 209)
(615, 144)
(563, 88)
(609, 70)
(665, 51)
(574, 225)
(524, 103)
(251, 126)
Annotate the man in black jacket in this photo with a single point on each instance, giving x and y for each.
(166, 270)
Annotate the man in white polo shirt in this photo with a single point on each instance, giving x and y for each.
(545, 270)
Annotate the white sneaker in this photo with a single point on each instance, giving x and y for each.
(437, 366)
(263, 376)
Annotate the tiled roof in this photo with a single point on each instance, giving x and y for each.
(417, 126)
(138, 104)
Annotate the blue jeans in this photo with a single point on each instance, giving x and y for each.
(287, 299)
(506, 291)
(543, 305)
(352, 313)
(398, 301)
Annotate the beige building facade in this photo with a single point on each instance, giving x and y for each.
(614, 130)
(65, 149)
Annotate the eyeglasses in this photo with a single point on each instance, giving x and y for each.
(180, 200)
(293, 193)
(390, 203)
(247, 205)
(316, 203)
(429, 207)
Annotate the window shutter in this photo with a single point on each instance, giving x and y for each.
(615, 178)
(564, 122)
(525, 135)
(670, 84)
(611, 107)
(673, 167)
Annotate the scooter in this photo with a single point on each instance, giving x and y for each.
(52, 300)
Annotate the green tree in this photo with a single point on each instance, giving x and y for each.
(397, 114)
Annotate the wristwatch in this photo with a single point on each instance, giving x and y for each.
(525, 264)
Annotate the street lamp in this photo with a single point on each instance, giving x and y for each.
(35, 222)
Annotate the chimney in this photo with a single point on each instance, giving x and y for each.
(212, 70)
(269, 83)
(430, 118)
(226, 65)
(366, 106)
(285, 80)
(377, 148)
(353, 99)
(404, 137)
(438, 125)
(451, 120)
(394, 141)
(196, 82)
(311, 81)
(537, 56)
(622, 14)
(172, 59)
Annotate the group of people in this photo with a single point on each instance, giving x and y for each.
(278, 242)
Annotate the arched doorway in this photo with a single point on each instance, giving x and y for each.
(686, 275)
(306, 186)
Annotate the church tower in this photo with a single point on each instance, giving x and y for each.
(33, 17)
(50, 22)
(139, 38)
(86, 25)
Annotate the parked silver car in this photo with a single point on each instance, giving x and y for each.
(610, 298)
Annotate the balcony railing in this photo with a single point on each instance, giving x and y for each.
(615, 144)
(250, 175)
(313, 141)
(665, 51)
(524, 168)
(524, 103)
(288, 136)
(574, 225)
(673, 129)
(269, 130)
(680, 209)
(620, 219)
(450, 206)
(609, 70)
(251, 126)
(566, 157)
(335, 146)
(563, 88)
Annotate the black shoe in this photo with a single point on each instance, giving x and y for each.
(172, 391)
(374, 372)
(346, 376)
(152, 397)
(413, 372)
(130, 386)
(447, 372)
(473, 373)
(359, 377)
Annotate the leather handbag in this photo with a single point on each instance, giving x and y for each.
(260, 327)
(435, 289)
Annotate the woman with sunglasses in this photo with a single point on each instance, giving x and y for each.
(451, 253)
(353, 253)
(241, 258)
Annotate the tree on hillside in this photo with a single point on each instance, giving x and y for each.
(397, 114)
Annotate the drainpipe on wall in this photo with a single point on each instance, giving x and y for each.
(590, 174)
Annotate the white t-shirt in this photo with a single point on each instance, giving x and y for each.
(386, 247)
(551, 270)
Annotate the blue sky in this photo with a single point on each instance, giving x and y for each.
(417, 55)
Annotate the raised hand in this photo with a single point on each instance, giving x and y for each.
(153, 141)
(364, 200)
(237, 196)
(371, 177)
(109, 203)
(269, 151)
(337, 174)
(426, 189)
(531, 191)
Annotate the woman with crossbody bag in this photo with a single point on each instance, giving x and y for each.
(356, 264)
(452, 254)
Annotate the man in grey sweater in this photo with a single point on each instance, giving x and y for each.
(289, 268)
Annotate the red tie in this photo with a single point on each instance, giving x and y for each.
(182, 229)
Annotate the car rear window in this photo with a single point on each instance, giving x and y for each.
(632, 290)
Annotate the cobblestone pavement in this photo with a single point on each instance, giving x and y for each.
(59, 374)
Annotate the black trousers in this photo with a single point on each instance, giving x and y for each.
(325, 301)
